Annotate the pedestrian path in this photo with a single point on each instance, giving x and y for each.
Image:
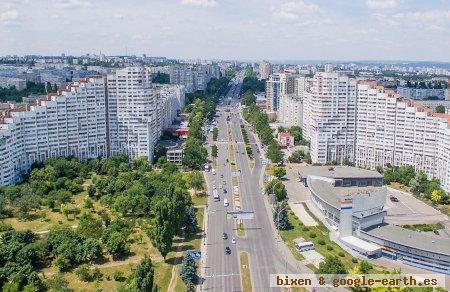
(301, 213)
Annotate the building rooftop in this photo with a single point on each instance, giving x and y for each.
(338, 172)
(412, 239)
(334, 195)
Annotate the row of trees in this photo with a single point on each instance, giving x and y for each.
(201, 110)
(418, 182)
(260, 123)
(12, 94)
(251, 82)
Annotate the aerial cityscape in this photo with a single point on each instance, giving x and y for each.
(209, 145)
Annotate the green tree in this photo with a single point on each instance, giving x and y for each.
(277, 188)
(419, 183)
(89, 226)
(364, 267)
(144, 275)
(58, 284)
(117, 245)
(279, 172)
(196, 180)
(188, 271)
(296, 132)
(162, 229)
(440, 109)
(215, 133)
(194, 154)
(214, 151)
(332, 265)
(280, 216)
(191, 220)
(161, 78)
(274, 154)
(297, 156)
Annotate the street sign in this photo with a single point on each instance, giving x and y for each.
(242, 215)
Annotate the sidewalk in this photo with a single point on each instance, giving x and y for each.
(203, 249)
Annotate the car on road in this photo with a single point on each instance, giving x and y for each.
(225, 202)
(233, 240)
(227, 250)
(393, 198)
(436, 232)
(220, 186)
(224, 191)
(224, 236)
(214, 187)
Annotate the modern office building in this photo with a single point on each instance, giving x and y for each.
(411, 247)
(349, 198)
(332, 117)
(352, 201)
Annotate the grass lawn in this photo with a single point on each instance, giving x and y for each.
(240, 230)
(319, 235)
(199, 199)
(245, 272)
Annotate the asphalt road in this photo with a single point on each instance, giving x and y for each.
(260, 241)
(221, 270)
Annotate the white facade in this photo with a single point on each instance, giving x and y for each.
(265, 70)
(291, 110)
(332, 117)
(132, 113)
(394, 131)
(89, 119)
(70, 123)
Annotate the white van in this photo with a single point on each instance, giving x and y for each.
(225, 202)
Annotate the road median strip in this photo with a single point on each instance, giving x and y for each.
(245, 272)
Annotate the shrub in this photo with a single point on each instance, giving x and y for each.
(354, 260)
(329, 247)
(83, 273)
(312, 235)
(321, 242)
(118, 276)
(341, 254)
(306, 229)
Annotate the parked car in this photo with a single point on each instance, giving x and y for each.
(224, 236)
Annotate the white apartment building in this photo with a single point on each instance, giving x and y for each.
(171, 99)
(69, 123)
(332, 117)
(276, 85)
(265, 70)
(392, 130)
(291, 110)
(91, 118)
(132, 113)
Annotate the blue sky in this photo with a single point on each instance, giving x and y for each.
(230, 29)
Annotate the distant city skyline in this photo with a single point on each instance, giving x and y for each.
(340, 30)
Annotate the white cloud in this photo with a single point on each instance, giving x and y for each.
(420, 19)
(381, 4)
(9, 15)
(301, 14)
(71, 4)
(200, 3)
